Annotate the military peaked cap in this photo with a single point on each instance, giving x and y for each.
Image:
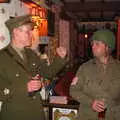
(18, 21)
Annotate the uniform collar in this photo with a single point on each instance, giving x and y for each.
(15, 54)
(111, 60)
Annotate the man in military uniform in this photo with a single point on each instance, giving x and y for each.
(98, 80)
(20, 68)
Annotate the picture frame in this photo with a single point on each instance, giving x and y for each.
(64, 113)
(67, 111)
(4, 1)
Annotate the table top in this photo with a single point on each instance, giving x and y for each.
(71, 104)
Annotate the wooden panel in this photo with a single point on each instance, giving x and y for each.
(81, 45)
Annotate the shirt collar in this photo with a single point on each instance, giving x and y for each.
(111, 61)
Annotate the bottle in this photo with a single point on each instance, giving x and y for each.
(43, 93)
(101, 115)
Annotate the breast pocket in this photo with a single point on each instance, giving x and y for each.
(93, 86)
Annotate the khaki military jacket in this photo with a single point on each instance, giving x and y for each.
(98, 81)
(14, 75)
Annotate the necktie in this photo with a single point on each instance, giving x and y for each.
(24, 56)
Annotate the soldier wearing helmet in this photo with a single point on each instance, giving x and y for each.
(98, 85)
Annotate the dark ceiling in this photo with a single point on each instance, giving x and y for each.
(88, 10)
(91, 10)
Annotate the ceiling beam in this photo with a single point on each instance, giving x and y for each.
(92, 6)
(95, 19)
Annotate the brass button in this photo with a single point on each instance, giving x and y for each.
(6, 91)
(17, 75)
(33, 64)
(34, 97)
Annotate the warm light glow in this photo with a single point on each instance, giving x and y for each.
(86, 36)
(41, 25)
(30, 5)
(37, 11)
(37, 20)
(39, 16)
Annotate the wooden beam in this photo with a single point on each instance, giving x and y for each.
(92, 6)
(95, 19)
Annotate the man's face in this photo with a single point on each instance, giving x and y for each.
(99, 49)
(23, 36)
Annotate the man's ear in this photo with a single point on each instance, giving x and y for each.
(108, 50)
(15, 31)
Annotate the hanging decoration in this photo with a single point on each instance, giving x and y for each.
(41, 3)
(37, 11)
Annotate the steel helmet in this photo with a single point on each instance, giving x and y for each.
(105, 36)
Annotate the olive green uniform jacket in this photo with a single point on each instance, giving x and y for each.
(14, 75)
(98, 81)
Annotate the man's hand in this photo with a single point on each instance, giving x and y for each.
(34, 85)
(98, 105)
(61, 51)
(74, 81)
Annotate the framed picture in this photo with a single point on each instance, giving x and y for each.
(67, 111)
(64, 114)
(4, 1)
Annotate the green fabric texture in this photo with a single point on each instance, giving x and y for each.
(105, 36)
(18, 21)
(14, 75)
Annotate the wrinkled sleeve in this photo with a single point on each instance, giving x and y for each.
(77, 91)
(50, 71)
(42, 68)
